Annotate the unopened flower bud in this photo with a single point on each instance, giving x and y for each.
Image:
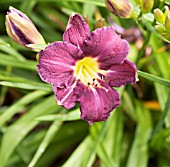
(87, 20)
(147, 5)
(21, 29)
(139, 2)
(159, 16)
(166, 11)
(100, 23)
(159, 28)
(167, 23)
(121, 8)
(38, 57)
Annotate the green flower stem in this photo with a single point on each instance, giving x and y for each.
(161, 4)
(37, 47)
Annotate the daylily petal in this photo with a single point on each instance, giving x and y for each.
(106, 46)
(77, 31)
(56, 64)
(96, 103)
(65, 96)
(122, 74)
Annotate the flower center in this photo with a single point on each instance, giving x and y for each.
(86, 70)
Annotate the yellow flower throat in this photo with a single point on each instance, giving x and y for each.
(86, 70)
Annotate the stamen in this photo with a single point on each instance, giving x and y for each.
(79, 72)
(87, 76)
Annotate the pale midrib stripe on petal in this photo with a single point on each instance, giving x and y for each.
(57, 63)
(97, 97)
(71, 90)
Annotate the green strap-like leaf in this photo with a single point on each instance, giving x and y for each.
(51, 133)
(73, 115)
(154, 78)
(29, 86)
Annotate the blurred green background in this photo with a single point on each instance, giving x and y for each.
(36, 132)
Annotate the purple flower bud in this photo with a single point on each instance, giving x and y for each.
(21, 29)
(121, 8)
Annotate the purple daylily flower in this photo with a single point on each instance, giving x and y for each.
(85, 67)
